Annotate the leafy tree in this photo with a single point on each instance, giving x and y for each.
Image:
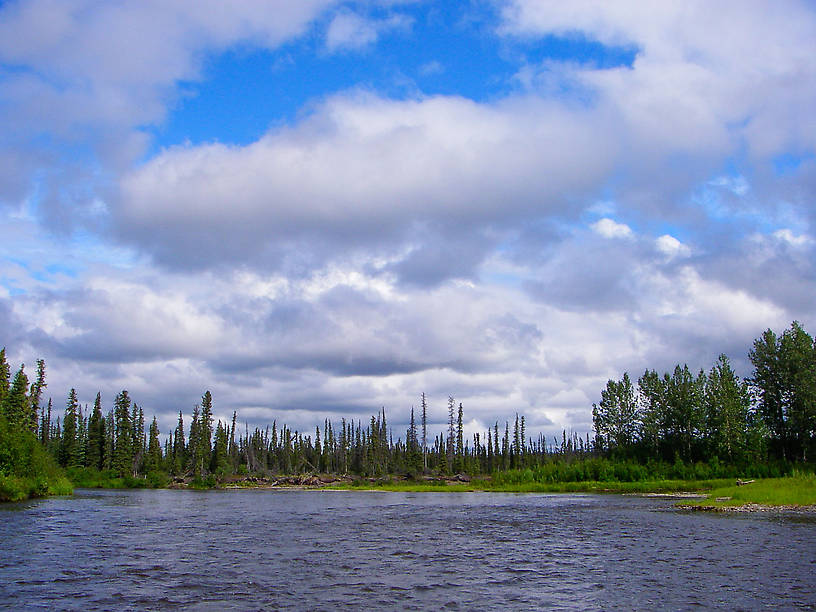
(615, 418)
(684, 414)
(727, 406)
(784, 383)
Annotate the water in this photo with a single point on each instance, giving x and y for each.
(255, 550)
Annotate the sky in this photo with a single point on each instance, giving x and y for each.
(319, 209)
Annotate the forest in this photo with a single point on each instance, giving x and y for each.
(678, 425)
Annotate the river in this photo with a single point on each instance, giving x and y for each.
(255, 550)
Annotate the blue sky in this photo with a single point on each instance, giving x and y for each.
(317, 209)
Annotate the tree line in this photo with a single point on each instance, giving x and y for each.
(708, 416)
(120, 442)
(698, 417)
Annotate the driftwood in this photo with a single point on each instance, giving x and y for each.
(744, 482)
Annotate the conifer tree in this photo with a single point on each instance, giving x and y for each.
(220, 458)
(96, 437)
(206, 422)
(34, 397)
(179, 447)
(122, 462)
(459, 461)
(153, 461)
(424, 433)
(15, 402)
(68, 454)
(5, 375)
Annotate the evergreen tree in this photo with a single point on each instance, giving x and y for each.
(220, 457)
(459, 461)
(205, 440)
(68, 452)
(179, 448)
(153, 461)
(5, 374)
(122, 462)
(96, 435)
(34, 397)
(424, 433)
(15, 402)
(195, 445)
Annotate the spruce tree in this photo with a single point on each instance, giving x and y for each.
(122, 462)
(34, 397)
(68, 454)
(96, 437)
(153, 461)
(179, 448)
(424, 433)
(5, 375)
(15, 402)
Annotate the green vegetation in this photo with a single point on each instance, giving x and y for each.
(716, 416)
(675, 431)
(798, 490)
(92, 478)
(587, 486)
(26, 468)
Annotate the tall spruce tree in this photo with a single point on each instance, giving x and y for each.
(5, 375)
(68, 452)
(34, 397)
(154, 457)
(15, 402)
(96, 435)
(122, 462)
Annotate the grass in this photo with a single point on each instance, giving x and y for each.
(19, 488)
(655, 486)
(797, 490)
(90, 478)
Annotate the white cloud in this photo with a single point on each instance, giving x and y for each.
(794, 240)
(671, 247)
(367, 171)
(612, 229)
(690, 86)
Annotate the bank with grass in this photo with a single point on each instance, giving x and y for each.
(793, 492)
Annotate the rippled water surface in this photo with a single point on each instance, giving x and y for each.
(247, 550)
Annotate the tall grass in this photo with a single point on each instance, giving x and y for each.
(797, 490)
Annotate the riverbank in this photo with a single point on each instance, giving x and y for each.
(717, 495)
(789, 493)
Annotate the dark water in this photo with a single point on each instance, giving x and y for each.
(253, 550)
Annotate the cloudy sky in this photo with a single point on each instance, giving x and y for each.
(319, 208)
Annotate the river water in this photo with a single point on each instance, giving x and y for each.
(258, 550)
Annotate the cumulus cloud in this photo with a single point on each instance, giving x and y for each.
(612, 229)
(671, 247)
(363, 171)
(91, 75)
(374, 248)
